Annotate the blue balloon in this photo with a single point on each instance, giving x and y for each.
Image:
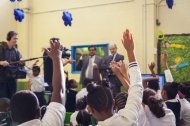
(19, 14)
(12, 0)
(67, 18)
(19, 0)
(170, 3)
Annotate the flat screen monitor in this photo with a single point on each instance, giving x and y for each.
(160, 76)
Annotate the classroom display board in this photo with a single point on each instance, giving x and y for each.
(178, 48)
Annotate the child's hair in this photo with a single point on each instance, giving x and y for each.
(99, 97)
(24, 107)
(120, 100)
(36, 68)
(4, 104)
(154, 84)
(171, 89)
(81, 103)
(184, 88)
(69, 84)
(83, 118)
(154, 103)
(87, 81)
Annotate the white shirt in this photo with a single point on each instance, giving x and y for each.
(54, 116)
(114, 56)
(185, 112)
(83, 92)
(88, 67)
(73, 118)
(158, 93)
(168, 75)
(185, 105)
(167, 120)
(128, 116)
(37, 83)
(142, 120)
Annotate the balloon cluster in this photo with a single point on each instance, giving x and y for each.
(170, 3)
(18, 13)
(15, 0)
(67, 18)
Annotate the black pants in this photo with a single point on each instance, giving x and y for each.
(40, 96)
(8, 87)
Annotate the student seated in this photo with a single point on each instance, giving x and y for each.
(100, 100)
(83, 118)
(71, 95)
(157, 114)
(83, 92)
(25, 109)
(153, 82)
(37, 84)
(120, 101)
(81, 105)
(5, 117)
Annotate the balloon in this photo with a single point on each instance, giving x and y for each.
(12, 0)
(170, 3)
(19, 14)
(67, 18)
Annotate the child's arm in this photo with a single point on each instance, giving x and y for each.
(145, 81)
(58, 80)
(167, 72)
(151, 67)
(134, 100)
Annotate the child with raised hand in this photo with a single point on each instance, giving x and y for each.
(100, 100)
(25, 109)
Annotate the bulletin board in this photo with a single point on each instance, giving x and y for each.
(178, 48)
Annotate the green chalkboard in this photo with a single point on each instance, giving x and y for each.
(178, 48)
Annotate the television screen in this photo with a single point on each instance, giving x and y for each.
(161, 79)
(79, 50)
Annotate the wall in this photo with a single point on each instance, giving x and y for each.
(101, 21)
(7, 22)
(93, 22)
(177, 20)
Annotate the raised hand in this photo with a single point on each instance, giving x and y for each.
(129, 45)
(151, 66)
(55, 51)
(71, 61)
(128, 41)
(165, 60)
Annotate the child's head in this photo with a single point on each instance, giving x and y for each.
(184, 88)
(153, 102)
(83, 118)
(81, 103)
(100, 100)
(35, 70)
(24, 107)
(72, 84)
(154, 84)
(120, 101)
(4, 105)
(170, 90)
(87, 81)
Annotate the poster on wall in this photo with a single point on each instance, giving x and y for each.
(178, 48)
(78, 50)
